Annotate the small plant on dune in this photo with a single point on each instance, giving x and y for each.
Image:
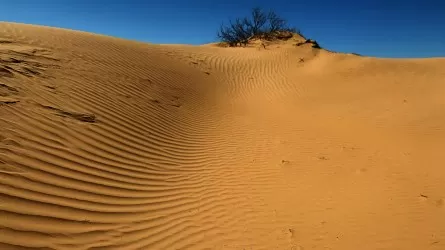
(261, 24)
(314, 43)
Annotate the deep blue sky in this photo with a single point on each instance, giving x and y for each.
(382, 28)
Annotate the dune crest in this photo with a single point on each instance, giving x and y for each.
(114, 144)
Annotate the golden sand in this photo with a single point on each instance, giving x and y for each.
(113, 144)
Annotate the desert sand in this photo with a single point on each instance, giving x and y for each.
(107, 143)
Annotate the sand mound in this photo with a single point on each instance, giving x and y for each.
(113, 144)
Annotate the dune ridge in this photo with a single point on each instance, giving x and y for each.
(113, 144)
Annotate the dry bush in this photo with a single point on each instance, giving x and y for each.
(261, 24)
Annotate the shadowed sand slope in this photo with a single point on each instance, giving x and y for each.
(113, 144)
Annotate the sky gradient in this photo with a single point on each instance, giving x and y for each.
(379, 28)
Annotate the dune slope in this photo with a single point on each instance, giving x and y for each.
(114, 144)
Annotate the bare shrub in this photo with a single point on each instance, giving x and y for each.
(260, 24)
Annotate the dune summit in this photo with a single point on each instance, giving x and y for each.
(114, 144)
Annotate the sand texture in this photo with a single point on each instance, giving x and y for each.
(113, 144)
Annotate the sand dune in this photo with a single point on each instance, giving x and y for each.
(114, 144)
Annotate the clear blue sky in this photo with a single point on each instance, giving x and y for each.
(382, 28)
